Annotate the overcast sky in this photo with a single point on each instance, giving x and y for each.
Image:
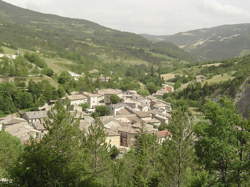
(147, 16)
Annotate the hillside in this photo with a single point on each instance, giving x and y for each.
(21, 28)
(212, 80)
(215, 43)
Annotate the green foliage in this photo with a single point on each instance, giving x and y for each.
(114, 99)
(177, 154)
(222, 145)
(80, 40)
(10, 149)
(53, 160)
(99, 160)
(35, 59)
(218, 49)
(145, 161)
(171, 50)
(67, 82)
(17, 67)
(143, 92)
(152, 88)
(47, 71)
(1, 50)
(64, 77)
(43, 92)
(102, 111)
(85, 106)
(129, 84)
(65, 156)
(200, 179)
(177, 85)
(199, 92)
(14, 98)
(114, 152)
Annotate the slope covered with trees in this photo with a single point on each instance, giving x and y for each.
(216, 43)
(23, 28)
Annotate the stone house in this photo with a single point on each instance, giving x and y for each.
(144, 115)
(36, 119)
(113, 138)
(77, 99)
(20, 128)
(117, 107)
(107, 93)
(93, 99)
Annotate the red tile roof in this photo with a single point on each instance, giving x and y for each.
(163, 133)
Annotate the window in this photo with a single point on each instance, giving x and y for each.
(124, 139)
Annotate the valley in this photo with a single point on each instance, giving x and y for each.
(83, 104)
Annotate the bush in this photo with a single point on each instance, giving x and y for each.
(35, 59)
(47, 71)
(10, 149)
(114, 99)
(1, 50)
(102, 111)
(143, 92)
(85, 106)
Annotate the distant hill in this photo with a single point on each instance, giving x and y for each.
(215, 43)
(22, 28)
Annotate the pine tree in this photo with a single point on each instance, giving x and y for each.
(177, 153)
(145, 159)
(99, 159)
(57, 159)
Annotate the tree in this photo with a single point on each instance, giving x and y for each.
(23, 100)
(129, 84)
(35, 59)
(223, 142)
(102, 111)
(114, 99)
(85, 106)
(152, 87)
(7, 93)
(99, 160)
(1, 50)
(145, 158)
(64, 77)
(58, 158)
(177, 153)
(47, 71)
(10, 149)
(143, 92)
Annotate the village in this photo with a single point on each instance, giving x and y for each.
(128, 117)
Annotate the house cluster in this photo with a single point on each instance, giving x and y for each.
(132, 115)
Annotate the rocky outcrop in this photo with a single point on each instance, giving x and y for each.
(243, 99)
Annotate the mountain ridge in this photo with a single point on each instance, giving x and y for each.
(215, 43)
(23, 28)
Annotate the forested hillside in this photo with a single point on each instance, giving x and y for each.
(214, 80)
(215, 43)
(21, 28)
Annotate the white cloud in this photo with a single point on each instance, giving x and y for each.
(223, 8)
